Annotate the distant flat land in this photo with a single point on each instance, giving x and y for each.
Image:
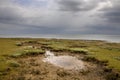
(22, 57)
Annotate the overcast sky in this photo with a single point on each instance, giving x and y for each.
(60, 17)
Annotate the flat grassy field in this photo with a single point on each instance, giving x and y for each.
(15, 47)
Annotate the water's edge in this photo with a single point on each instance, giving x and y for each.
(66, 62)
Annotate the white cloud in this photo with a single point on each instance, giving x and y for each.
(106, 4)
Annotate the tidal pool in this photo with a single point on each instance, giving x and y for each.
(66, 62)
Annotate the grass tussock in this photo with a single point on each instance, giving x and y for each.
(28, 52)
(78, 50)
(33, 52)
(93, 59)
(13, 64)
(19, 44)
(31, 42)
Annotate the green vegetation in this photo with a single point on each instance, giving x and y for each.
(33, 52)
(78, 50)
(94, 51)
(13, 64)
(7, 47)
(28, 52)
(111, 56)
(19, 44)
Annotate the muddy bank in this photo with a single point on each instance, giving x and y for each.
(34, 68)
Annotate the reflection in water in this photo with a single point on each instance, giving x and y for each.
(66, 62)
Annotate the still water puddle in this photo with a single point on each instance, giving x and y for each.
(66, 62)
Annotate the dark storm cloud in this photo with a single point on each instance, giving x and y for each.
(93, 17)
(69, 5)
(76, 5)
(104, 29)
(113, 14)
(9, 15)
(30, 29)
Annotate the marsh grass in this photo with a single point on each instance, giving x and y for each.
(117, 58)
(95, 60)
(28, 52)
(60, 47)
(3, 66)
(13, 64)
(102, 52)
(19, 44)
(112, 56)
(33, 52)
(78, 50)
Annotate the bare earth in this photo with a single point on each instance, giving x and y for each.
(34, 68)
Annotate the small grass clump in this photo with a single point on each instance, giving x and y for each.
(89, 58)
(33, 52)
(16, 55)
(19, 44)
(32, 42)
(117, 58)
(57, 48)
(13, 64)
(95, 60)
(78, 50)
(27, 52)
